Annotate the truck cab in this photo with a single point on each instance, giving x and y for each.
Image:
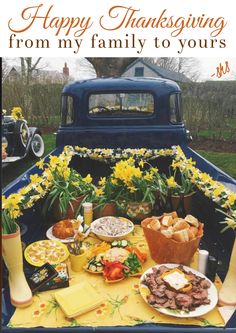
(122, 112)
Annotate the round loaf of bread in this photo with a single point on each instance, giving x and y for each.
(63, 229)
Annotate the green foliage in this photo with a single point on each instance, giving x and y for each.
(209, 109)
(224, 161)
(15, 169)
(40, 102)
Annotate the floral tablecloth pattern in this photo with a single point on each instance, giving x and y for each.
(122, 306)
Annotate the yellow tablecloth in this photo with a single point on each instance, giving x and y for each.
(122, 306)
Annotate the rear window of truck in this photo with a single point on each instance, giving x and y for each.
(121, 104)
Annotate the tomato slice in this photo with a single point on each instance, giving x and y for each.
(113, 270)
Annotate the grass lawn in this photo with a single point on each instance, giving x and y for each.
(12, 171)
(225, 161)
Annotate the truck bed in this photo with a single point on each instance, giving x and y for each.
(218, 244)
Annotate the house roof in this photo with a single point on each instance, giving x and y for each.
(162, 72)
(43, 73)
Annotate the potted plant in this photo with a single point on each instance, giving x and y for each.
(136, 196)
(20, 293)
(68, 189)
(227, 293)
(181, 188)
(160, 187)
(78, 256)
(105, 197)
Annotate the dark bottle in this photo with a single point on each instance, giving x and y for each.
(211, 268)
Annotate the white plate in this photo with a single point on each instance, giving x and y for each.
(50, 235)
(199, 311)
(108, 238)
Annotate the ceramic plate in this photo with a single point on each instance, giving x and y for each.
(199, 311)
(69, 239)
(51, 251)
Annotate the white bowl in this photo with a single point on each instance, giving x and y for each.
(110, 238)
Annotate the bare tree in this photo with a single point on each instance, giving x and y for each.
(4, 68)
(110, 66)
(186, 66)
(85, 68)
(28, 66)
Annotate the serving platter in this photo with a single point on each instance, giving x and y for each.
(199, 311)
(85, 230)
(106, 220)
(43, 251)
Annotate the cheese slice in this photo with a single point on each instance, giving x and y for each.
(176, 279)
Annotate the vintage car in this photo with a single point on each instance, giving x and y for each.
(20, 140)
(122, 113)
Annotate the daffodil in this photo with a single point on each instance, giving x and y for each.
(141, 164)
(171, 182)
(102, 181)
(148, 176)
(98, 192)
(35, 179)
(88, 179)
(16, 113)
(40, 164)
(132, 189)
(114, 181)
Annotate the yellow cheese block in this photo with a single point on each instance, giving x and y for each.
(78, 299)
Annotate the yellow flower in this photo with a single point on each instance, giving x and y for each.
(148, 176)
(39, 189)
(25, 190)
(48, 174)
(153, 170)
(66, 173)
(35, 179)
(176, 164)
(16, 113)
(231, 199)
(171, 182)
(15, 213)
(54, 160)
(3, 201)
(218, 191)
(12, 202)
(132, 189)
(98, 192)
(141, 164)
(102, 181)
(77, 183)
(40, 164)
(88, 179)
(114, 181)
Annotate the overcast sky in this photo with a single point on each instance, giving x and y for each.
(207, 67)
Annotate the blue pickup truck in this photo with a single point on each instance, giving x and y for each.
(121, 113)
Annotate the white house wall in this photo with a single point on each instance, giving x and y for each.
(147, 71)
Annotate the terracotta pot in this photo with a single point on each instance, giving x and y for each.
(109, 209)
(227, 293)
(138, 210)
(182, 200)
(159, 201)
(166, 250)
(20, 293)
(73, 207)
(78, 261)
(71, 210)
